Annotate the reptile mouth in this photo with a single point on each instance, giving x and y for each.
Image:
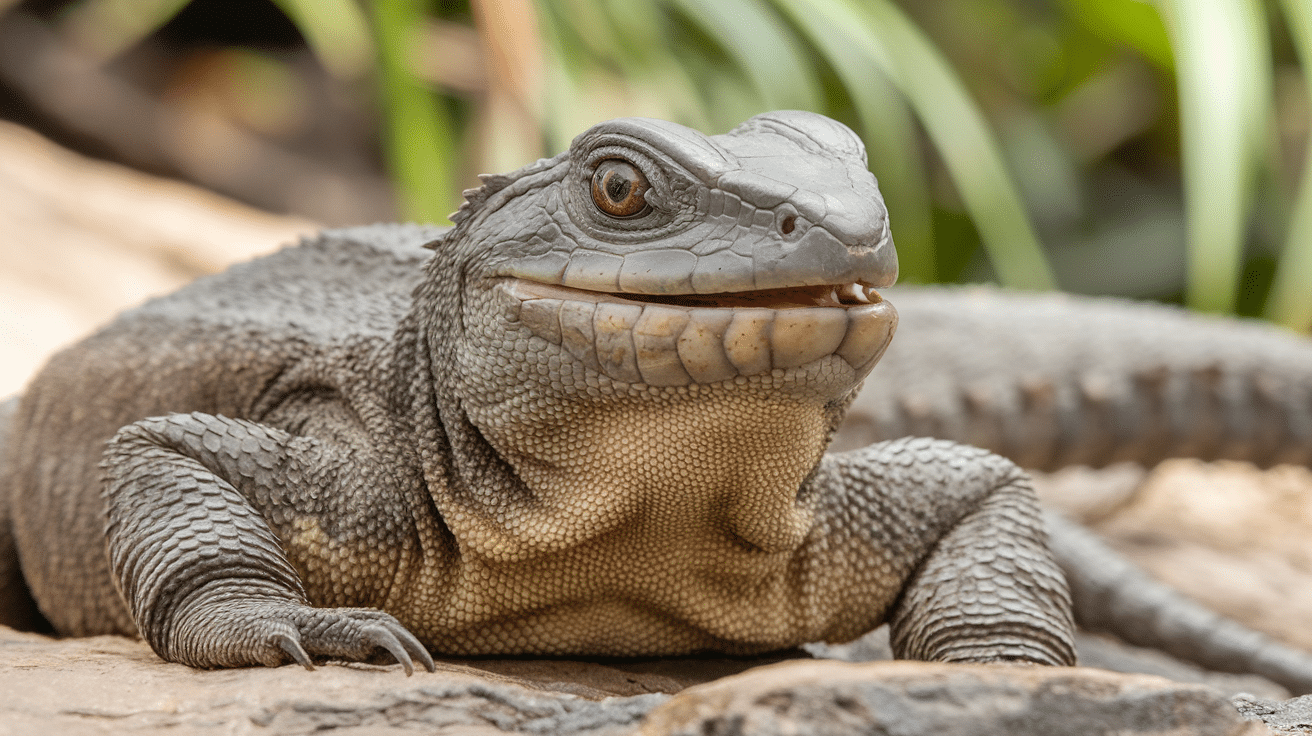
(847, 295)
(683, 339)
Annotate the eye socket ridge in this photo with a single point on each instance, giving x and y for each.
(619, 188)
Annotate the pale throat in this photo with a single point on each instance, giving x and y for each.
(702, 466)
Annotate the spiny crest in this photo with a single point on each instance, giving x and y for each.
(493, 183)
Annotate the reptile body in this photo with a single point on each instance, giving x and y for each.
(593, 422)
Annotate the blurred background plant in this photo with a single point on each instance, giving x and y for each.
(1154, 150)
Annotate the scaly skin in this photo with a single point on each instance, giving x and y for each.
(569, 432)
(1054, 380)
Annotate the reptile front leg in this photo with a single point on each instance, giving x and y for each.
(205, 577)
(962, 528)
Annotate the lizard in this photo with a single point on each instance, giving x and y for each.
(593, 421)
(590, 420)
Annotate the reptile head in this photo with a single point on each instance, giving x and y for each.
(657, 329)
(656, 255)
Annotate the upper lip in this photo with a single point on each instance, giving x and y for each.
(827, 295)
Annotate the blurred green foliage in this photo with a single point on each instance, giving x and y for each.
(1151, 149)
(421, 136)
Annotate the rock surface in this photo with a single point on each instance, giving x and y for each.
(109, 685)
(1095, 650)
(1281, 717)
(912, 698)
(1231, 536)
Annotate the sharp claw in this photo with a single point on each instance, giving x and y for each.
(293, 647)
(380, 636)
(416, 649)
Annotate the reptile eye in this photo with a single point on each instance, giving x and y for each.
(619, 189)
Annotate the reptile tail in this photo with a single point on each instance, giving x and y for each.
(1050, 380)
(1114, 596)
(17, 609)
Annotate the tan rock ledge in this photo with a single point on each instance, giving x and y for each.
(913, 698)
(112, 685)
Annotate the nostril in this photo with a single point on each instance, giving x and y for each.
(787, 224)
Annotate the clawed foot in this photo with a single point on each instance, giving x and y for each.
(348, 633)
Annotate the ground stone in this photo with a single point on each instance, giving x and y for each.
(1287, 717)
(914, 698)
(111, 685)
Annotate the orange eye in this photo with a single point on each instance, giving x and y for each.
(619, 189)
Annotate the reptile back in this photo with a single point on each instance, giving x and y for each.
(238, 344)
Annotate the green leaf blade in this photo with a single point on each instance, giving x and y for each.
(336, 30)
(1223, 65)
(420, 135)
(764, 49)
(963, 137)
(1290, 301)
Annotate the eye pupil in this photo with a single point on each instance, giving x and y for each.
(616, 188)
(619, 188)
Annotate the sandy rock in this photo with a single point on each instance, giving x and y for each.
(1289, 717)
(911, 698)
(1089, 495)
(84, 239)
(105, 685)
(111, 684)
(1232, 537)
(1094, 650)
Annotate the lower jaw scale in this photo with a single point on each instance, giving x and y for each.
(671, 345)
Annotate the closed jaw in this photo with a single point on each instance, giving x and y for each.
(678, 340)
